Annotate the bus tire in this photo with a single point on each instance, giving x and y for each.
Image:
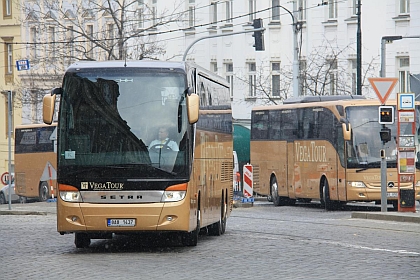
(191, 238)
(219, 227)
(274, 191)
(325, 200)
(2, 198)
(81, 240)
(44, 192)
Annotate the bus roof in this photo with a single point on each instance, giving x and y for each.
(34, 125)
(343, 102)
(129, 63)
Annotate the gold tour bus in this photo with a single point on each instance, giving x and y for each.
(36, 161)
(113, 179)
(325, 149)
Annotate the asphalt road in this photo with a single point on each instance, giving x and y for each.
(261, 242)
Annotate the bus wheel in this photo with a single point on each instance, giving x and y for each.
(274, 192)
(325, 200)
(2, 199)
(219, 227)
(191, 238)
(44, 192)
(81, 240)
(395, 205)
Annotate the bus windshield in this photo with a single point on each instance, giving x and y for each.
(363, 151)
(132, 119)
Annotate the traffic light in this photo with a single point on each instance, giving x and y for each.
(386, 114)
(385, 134)
(258, 35)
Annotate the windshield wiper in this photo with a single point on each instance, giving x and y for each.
(369, 165)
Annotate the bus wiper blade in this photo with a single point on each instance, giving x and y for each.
(362, 169)
(369, 165)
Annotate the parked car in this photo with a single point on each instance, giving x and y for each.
(4, 195)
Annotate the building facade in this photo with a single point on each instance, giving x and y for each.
(10, 30)
(325, 31)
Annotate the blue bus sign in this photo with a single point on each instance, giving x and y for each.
(22, 64)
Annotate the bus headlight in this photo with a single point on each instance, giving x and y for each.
(69, 193)
(71, 196)
(358, 185)
(174, 193)
(172, 196)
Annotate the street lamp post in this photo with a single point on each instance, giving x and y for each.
(386, 40)
(296, 28)
(9, 135)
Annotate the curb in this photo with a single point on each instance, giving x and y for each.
(15, 212)
(408, 218)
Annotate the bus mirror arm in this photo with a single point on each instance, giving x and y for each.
(188, 91)
(57, 91)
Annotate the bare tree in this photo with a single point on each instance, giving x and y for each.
(60, 32)
(326, 71)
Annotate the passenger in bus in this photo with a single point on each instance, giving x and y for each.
(163, 141)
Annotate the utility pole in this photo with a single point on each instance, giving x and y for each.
(296, 29)
(359, 49)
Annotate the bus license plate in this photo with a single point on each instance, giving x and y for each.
(121, 222)
(392, 194)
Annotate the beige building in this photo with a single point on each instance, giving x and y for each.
(10, 30)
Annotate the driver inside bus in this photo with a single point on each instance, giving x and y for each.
(163, 142)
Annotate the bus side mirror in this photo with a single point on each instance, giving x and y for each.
(48, 105)
(192, 107)
(346, 129)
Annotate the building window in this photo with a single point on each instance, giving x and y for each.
(89, 43)
(354, 7)
(33, 37)
(303, 86)
(404, 6)
(69, 41)
(275, 10)
(353, 73)
(275, 79)
(154, 12)
(213, 66)
(191, 16)
(252, 80)
(213, 14)
(229, 11)
(332, 76)
(7, 8)
(9, 52)
(229, 76)
(301, 10)
(51, 40)
(140, 18)
(332, 9)
(252, 9)
(404, 74)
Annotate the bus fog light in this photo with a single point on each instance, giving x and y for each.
(70, 196)
(74, 219)
(169, 218)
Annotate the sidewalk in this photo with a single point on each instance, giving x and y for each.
(31, 208)
(408, 217)
(49, 208)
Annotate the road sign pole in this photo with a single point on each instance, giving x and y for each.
(384, 200)
(9, 134)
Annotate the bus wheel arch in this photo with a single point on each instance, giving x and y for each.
(191, 238)
(44, 192)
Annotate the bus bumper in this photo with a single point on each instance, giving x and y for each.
(90, 217)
